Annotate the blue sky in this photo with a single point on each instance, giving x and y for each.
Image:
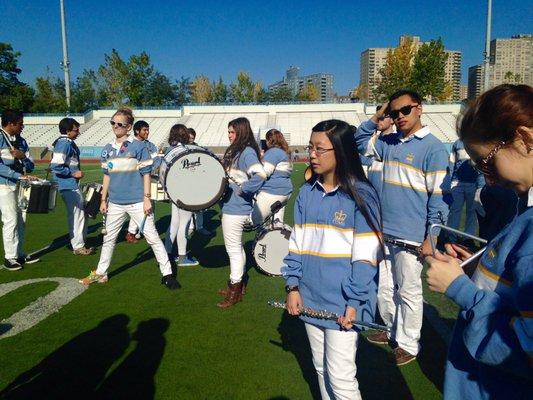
(189, 38)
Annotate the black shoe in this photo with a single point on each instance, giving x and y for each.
(12, 265)
(29, 259)
(170, 282)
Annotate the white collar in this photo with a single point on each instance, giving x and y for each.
(117, 146)
(317, 182)
(421, 133)
(530, 197)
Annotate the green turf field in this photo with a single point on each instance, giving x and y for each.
(133, 338)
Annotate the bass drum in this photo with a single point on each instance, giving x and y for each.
(271, 247)
(193, 177)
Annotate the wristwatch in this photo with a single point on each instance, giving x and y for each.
(147, 195)
(293, 288)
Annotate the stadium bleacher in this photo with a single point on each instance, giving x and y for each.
(210, 122)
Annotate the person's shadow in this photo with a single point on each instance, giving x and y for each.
(75, 369)
(134, 377)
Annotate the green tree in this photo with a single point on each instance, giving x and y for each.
(202, 90)
(140, 73)
(260, 96)
(160, 91)
(220, 91)
(49, 95)
(243, 89)
(114, 75)
(396, 73)
(13, 93)
(308, 92)
(183, 91)
(281, 95)
(85, 95)
(427, 74)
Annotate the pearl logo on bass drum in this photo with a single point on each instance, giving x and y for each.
(186, 163)
(262, 255)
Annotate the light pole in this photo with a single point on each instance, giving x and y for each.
(65, 64)
(487, 47)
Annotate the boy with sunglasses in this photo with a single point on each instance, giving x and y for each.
(414, 178)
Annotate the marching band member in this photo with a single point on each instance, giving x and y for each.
(247, 175)
(278, 186)
(65, 166)
(15, 161)
(127, 165)
(141, 131)
(197, 223)
(180, 219)
(334, 251)
(414, 179)
(491, 351)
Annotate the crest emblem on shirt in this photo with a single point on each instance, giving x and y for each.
(110, 165)
(409, 158)
(104, 154)
(339, 218)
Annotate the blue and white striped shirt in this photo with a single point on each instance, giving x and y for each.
(8, 174)
(278, 169)
(65, 161)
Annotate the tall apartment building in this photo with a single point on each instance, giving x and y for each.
(511, 61)
(323, 82)
(374, 59)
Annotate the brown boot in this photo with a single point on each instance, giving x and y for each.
(224, 291)
(233, 295)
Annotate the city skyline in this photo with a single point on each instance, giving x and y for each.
(215, 38)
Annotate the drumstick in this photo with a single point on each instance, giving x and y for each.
(323, 314)
(104, 220)
(141, 228)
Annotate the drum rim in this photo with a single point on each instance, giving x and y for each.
(257, 239)
(221, 191)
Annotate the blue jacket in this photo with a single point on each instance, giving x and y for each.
(154, 153)
(414, 180)
(333, 252)
(65, 161)
(126, 165)
(492, 344)
(278, 169)
(11, 169)
(461, 167)
(249, 173)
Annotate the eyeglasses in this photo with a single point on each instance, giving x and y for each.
(119, 124)
(405, 110)
(486, 165)
(383, 118)
(318, 151)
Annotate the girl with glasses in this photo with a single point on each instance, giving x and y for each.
(242, 162)
(491, 352)
(334, 251)
(278, 186)
(127, 164)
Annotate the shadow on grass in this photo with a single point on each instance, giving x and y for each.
(141, 257)
(78, 369)
(294, 339)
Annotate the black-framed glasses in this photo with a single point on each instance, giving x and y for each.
(318, 151)
(119, 124)
(486, 165)
(383, 117)
(405, 110)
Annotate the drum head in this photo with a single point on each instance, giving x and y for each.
(270, 249)
(195, 180)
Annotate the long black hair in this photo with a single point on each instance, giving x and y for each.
(245, 137)
(349, 170)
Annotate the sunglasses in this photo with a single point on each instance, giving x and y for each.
(119, 124)
(486, 165)
(405, 110)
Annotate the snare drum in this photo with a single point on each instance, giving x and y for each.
(271, 247)
(193, 177)
(92, 193)
(157, 192)
(37, 197)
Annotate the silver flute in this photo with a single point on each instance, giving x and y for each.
(474, 256)
(324, 314)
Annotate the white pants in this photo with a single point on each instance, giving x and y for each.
(77, 221)
(232, 227)
(12, 223)
(262, 207)
(463, 193)
(116, 215)
(400, 299)
(177, 230)
(133, 228)
(334, 360)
